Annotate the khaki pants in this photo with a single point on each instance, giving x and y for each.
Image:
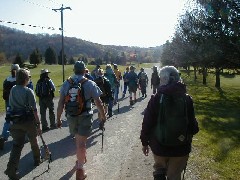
(18, 132)
(172, 167)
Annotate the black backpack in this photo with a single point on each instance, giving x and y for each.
(155, 80)
(172, 123)
(104, 85)
(43, 88)
(7, 86)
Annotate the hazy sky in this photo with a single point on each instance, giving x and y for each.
(143, 23)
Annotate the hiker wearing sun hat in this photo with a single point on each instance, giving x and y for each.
(45, 91)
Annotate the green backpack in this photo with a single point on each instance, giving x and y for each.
(172, 122)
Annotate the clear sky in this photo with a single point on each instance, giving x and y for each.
(143, 23)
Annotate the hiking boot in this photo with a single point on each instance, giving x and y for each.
(131, 102)
(37, 162)
(80, 174)
(45, 129)
(53, 126)
(145, 95)
(2, 141)
(11, 173)
(160, 177)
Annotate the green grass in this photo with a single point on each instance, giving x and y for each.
(56, 75)
(216, 147)
(217, 143)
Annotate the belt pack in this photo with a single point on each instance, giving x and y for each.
(21, 118)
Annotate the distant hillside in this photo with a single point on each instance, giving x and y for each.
(14, 41)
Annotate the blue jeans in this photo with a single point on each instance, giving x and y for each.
(125, 88)
(116, 92)
(6, 126)
(110, 106)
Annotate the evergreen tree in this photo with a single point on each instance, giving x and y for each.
(60, 58)
(2, 57)
(50, 56)
(35, 57)
(71, 60)
(18, 60)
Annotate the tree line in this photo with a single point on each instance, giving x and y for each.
(207, 37)
(33, 48)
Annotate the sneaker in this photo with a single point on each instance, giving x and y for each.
(11, 173)
(80, 174)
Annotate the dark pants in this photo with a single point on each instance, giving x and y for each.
(44, 103)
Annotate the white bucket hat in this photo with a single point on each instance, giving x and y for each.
(44, 71)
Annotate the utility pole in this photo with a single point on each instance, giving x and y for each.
(61, 10)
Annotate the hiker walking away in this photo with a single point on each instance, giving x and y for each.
(106, 96)
(30, 83)
(95, 71)
(80, 123)
(168, 126)
(125, 84)
(45, 91)
(155, 79)
(24, 119)
(119, 78)
(87, 75)
(143, 82)
(109, 74)
(132, 80)
(8, 83)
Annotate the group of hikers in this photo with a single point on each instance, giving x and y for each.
(101, 87)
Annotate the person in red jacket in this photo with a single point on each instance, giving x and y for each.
(170, 161)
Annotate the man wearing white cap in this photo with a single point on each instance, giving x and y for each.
(45, 91)
(8, 83)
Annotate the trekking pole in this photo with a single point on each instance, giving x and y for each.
(48, 154)
(103, 129)
(184, 171)
(118, 106)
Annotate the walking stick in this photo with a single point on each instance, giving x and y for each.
(118, 106)
(103, 129)
(184, 171)
(48, 154)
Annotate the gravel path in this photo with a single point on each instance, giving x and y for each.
(121, 158)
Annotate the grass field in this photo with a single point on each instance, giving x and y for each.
(217, 110)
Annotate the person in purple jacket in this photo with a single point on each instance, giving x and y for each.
(169, 161)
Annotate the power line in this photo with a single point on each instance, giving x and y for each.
(29, 25)
(40, 5)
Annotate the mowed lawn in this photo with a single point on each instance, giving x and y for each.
(216, 147)
(56, 75)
